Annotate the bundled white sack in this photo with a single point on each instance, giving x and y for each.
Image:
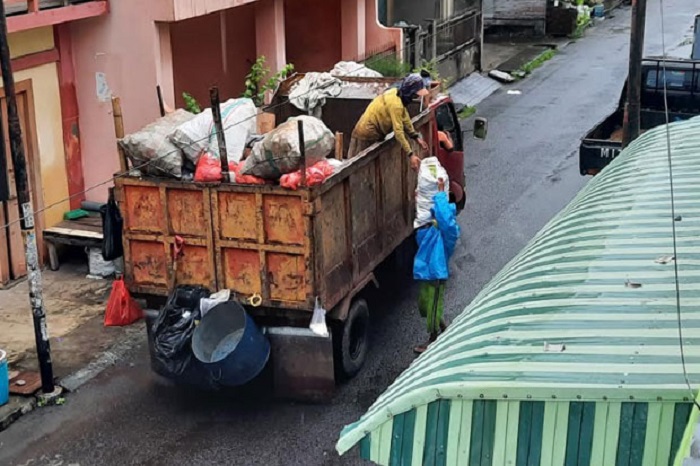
(151, 151)
(198, 135)
(313, 90)
(278, 153)
(351, 68)
(429, 176)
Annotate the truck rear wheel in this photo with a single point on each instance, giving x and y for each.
(353, 340)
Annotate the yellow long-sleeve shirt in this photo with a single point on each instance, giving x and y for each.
(385, 114)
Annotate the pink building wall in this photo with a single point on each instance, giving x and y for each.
(216, 49)
(313, 33)
(137, 46)
(379, 36)
(117, 54)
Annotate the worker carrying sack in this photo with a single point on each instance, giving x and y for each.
(112, 227)
(278, 153)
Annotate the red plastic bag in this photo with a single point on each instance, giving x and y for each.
(243, 179)
(121, 308)
(315, 175)
(208, 169)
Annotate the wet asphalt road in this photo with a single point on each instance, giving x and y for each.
(517, 180)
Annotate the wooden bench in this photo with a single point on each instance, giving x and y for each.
(85, 232)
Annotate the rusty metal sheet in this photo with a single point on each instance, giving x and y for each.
(284, 220)
(242, 271)
(143, 209)
(333, 245)
(364, 202)
(286, 275)
(237, 215)
(195, 267)
(148, 263)
(186, 212)
(394, 189)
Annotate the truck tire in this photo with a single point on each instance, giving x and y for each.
(353, 342)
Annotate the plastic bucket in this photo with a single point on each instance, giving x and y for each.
(230, 345)
(4, 379)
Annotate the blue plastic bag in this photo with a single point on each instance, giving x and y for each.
(436, 243)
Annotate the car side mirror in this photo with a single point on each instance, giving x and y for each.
(481, 128)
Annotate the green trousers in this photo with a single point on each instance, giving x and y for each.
(431, 302)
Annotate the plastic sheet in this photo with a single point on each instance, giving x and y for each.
(173, 330)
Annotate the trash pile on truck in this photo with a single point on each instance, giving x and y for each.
(185, 146)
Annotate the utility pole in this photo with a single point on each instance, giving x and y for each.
(631, 125)
(26, 213)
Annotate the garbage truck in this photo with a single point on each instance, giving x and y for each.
(282, 252)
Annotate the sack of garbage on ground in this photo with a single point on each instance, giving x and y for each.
(198, 135)
(278, 153)
(151, 151)
(429, 176)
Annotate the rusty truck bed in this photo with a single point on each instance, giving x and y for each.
(287, 246)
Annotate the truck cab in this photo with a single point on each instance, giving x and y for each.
(682, 81)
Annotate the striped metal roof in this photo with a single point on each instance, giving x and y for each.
(594, 280)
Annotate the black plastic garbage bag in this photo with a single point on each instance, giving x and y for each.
(174, 327)
(112, 226)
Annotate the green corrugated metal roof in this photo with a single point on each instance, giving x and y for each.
(574, 284)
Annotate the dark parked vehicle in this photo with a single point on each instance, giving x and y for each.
(604, 142)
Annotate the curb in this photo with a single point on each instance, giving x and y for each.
(107, 359)
(14, 409)
(19, 406)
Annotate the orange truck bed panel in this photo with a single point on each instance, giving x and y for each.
(289, 247)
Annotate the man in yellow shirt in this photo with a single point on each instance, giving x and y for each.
(388, 113)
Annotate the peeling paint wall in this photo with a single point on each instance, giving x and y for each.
(47, 119)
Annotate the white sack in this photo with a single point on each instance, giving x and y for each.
(431, 171)
(199, 134)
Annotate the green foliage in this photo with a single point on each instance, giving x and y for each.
(431, 67)
(466, 112)
(191, 104)
(256, 84)
(389, 66)
(530, 66)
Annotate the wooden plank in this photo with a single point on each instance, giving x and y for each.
(119, 132)
(4, 248)
(31, 144)
(18, 262)
(339, 155)
(72, 232)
